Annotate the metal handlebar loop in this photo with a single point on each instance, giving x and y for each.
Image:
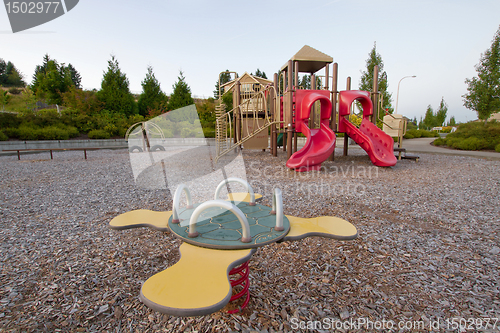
(177, 198)
(246, 237)
(277, 209)
(236, 180)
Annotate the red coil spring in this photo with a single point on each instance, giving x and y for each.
(243, 271)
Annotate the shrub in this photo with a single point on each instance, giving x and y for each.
(472, 143)
(52, 133)
(439, 142)
(99, 134)
(3, 137)
(187, 132)
(414, 133)
(14, 91)
(486, 136)
(11, 132)
(497, 148)
(27, 132)
(9, 120)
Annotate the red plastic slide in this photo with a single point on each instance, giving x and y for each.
(320, 142)
(378, 145)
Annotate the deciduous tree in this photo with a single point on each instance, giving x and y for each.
(483, 94)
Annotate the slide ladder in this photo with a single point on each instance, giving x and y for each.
(252, 109)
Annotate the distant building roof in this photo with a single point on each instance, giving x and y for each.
(246, 78)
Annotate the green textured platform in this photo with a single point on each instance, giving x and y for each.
(221, 229)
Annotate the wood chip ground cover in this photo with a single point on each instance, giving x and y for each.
(428, 246)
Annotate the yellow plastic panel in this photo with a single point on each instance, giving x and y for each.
(196, 285)
(141, 218)
(324, 226)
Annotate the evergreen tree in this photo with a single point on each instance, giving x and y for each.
(366, 82)
(52, 82)
(258, 73)
(305, 82)
(452, 121)
(441, 113)
(484, 90)
(10, 76)
(52, 79)
(182, 94)
(40, 69)
(115, 94)
(224, 78)
(152, 99)
(75, 76)
(429, 119)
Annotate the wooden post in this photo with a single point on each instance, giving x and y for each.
(346, 137)
(375, 95)
(290, 110)
(237, 125)
(296, 86)
(333, 117)
(276, 116)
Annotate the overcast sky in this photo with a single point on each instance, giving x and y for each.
(439, 41)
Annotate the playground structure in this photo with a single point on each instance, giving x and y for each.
(220, 237)
(282, 108)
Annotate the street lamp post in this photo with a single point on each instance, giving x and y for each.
(397, 97)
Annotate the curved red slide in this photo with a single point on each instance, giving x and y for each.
(320, 142)
(378, 145)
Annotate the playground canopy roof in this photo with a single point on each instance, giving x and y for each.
(245, 78)
(310, 60)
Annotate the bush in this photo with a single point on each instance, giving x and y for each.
(27, 132)
(99, 134)
(14, 91)
(472, 143)
(52, 133)
(3, 137)
(414, 133)
(497, 148)
(11, 132)
(439, 142)
(9, 120)
(475, 136)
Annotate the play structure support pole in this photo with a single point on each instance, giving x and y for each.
(333, 118)
(289, 130)
(327, 78)
(375, 95)
(237, 126)
(312, 117)
(346, 137)
(275, 114)
(296, 85)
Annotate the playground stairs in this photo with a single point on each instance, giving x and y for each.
(254, 110)
(221, 126)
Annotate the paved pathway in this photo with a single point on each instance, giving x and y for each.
(423, 145)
